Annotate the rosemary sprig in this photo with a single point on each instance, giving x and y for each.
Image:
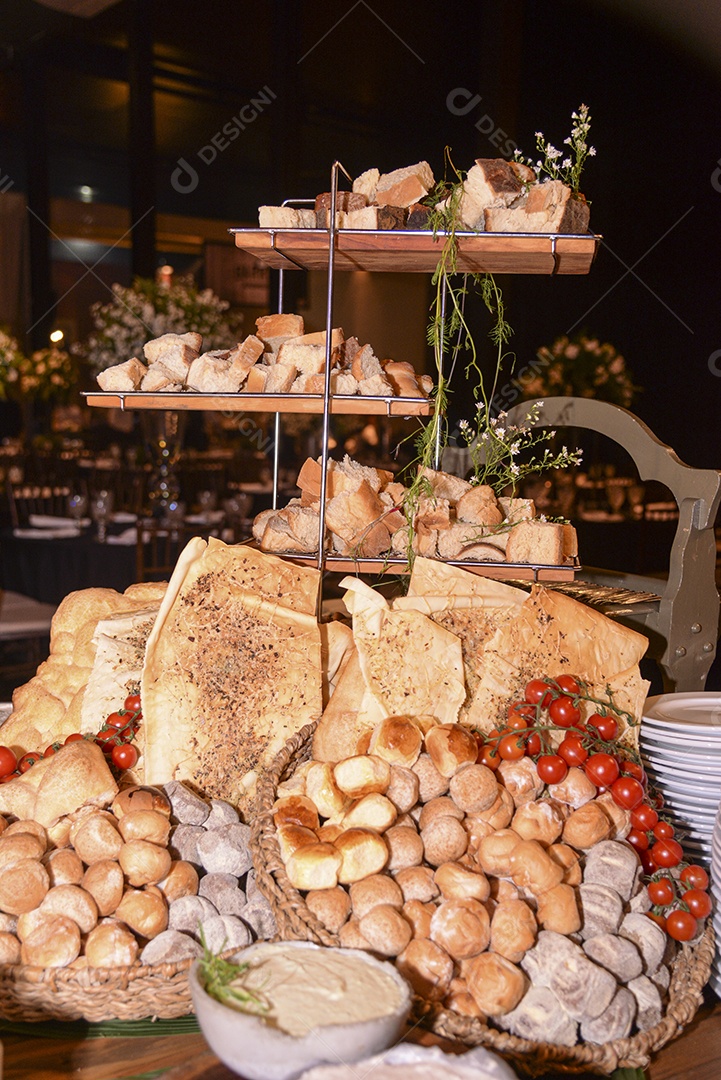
(223, 980)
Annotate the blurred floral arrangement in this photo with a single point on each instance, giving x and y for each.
(49, 374)
(149, 309)
(582, 366)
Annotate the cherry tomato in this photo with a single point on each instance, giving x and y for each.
(538, 690)
(698, 903)
(106, 740)
(28, 760)
(644, 817)
(667, 853)
(115, 720)
(637, 840)
(649, 866)
(660, 920)
(572, 750)
(551, 768)
(132, 703)
(569, 684)
(605, 726)
(563, 712)
(627, 792)
(663, 830)
(681, 925)
(516, 722)
(661, 891)
(512, 746)
(694, 876)
(52, 749)
(602, 769)
(10, 776)
(489, 757)
(75, 737)
(8, 761)
(533, 744)
(125, 756)
(632, 768)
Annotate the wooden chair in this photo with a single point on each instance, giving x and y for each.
(682, 624)
(158, 546)
(27, 499)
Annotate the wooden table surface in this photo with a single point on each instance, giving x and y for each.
(695, 1054)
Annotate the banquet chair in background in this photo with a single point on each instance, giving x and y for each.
(159, 544)
(26, 499)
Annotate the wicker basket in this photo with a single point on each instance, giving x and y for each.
(690, 970)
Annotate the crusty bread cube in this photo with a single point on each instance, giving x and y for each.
(126, 376)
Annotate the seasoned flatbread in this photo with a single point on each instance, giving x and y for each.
(351, 712)
(232, 668)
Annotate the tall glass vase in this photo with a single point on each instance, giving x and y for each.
(163, 432)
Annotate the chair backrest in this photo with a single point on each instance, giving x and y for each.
(27, 499)
(158, 546)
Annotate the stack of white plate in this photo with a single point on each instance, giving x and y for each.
(681, 749)
(715, 980)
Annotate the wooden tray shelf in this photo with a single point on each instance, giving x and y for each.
(501, 571)
(408, 251)
(281, 403)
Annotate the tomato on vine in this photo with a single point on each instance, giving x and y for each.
(602, 769)
(606, 727)
(656, 917)
(533, 744)
(537, 690)
(698, 903)
(551, 768)
(521, 710)
(695, 877)
(75, 737)
(627, 792)
(681, 925)
(634, 769)
(489, 756)
(125, 756)
(28, 760)
(666, 853)
(8, 761)
(644, 817)
(572, 750)
(661, 892)
(512, 746)
(637, 840)
(663, 830)
(116, 720)
(132, 703)
(569, 684)
(563, 712)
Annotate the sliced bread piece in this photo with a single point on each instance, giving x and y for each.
(534, 541)
(126, 376)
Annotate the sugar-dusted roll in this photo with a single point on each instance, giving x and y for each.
(332, 907)
(372, 891)
(458, 882)
(513, 929)
(385, 930)
(557, 909)
(397, 740)
(427, 967)
(495, 984)
(533, 869)
(474, 788)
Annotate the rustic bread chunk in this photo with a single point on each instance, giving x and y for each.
(421, 172)
(158, 378)
(366, 183)
(616, 954)
(649, 1006)
(127, 376)
(479, 506)
(601, 910)
(612, 863)
(549, 207)
(490, 182)
(211, 373)
(280, 378)
(257, 379)
(280, 217)
(584, 989)
(541, 1017)
(270, 327)
(615, 1022)
(648, 938)
(534, 541)
(445, 485)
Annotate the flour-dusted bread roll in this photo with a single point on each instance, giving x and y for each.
(419, 916)
(431, 782)
(314, 866)
(648, 938)
(144, 910)
(551, 951)
(427, 967)
(586, 826)
(364, 774)
(332, 907)
(20, 846)
(350, 936)
(403, 789)
(321, 788)
(502, 889)
(23, 885)
(541, 1018)
(521, 780)
(569, 859)
(540, 820)
(500, 813)
(533, 869)
(295, 810)
(26, 826)
(417, 883)
(451, 746)
(616, 954)
(444, 840)
(55, 942)
(292, 837)
(104, 881)
(373, 811)
(397, 740)
(144, 863)
(602, 911)
(495, 984)
(615, 1022)
(574, 790)
(111, 945)
(461, 928)
(442, 806)
(496, 850)
(477, 830)
(649, 1006)
(146, 825)
(612, 863)
(9, 948)
(474, 788)
(362, 851)
(458, 882)
(584, 989)
(64, 867)
(513, 929)
(619, 817)
(557, 909)
(97, 838)
(405, 847)
(385, 930)
(372, 891)
(181, 880)
(75, 903)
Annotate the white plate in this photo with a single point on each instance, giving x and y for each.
(682, 739)
(707, 798)
(673, 767)
(689, 712)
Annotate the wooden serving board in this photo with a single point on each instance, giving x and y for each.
(272, 403)
(406, 251)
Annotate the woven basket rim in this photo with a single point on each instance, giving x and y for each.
(690, 969)
(69, 974)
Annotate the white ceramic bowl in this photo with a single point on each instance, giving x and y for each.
(257, 1050)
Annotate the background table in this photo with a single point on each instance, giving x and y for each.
(48, 570)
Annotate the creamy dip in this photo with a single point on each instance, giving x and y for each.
(306, 988)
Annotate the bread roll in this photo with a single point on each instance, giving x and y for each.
(372, 891)
(64, 867)
(541, 820)
(350, 936)
(533, 869)
(292, 837)
(495, 984)
(372, 811)
(385, 930)
(461, 928)
(457, 882)
(314, 866)
(405, 847)
(332, 907)
(97, 838)
(503, 889)
(495, 852)
(144, 863)
(23, 885)
(21, 846)
(586, 826)
(364, 774)
(451, 746)
(295, 810)
(427, 967)
(513, 929)
(75, 903)
(55, 942)
(444, 840)
(442, 806)
(403, 789)
(557, 910)
(140, 797)
(145, 911)
(417, 883)
(619, 817)
(397, 740)
(328, 833)
(615, 864)
(474, 788)
(477, 830)
(521, 780)
(147, 825)
(574, 790)
(460, 1000)
(362, 852)
(321, 788)
(111, 945)
(500, 813)
(431, 783)
(181, 880)
(27, 826)
(419, 916)
(9, 948)
(566, 857)
(105, 883)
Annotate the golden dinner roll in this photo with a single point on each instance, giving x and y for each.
(513, 929)
(314, 866)
(144, 863)
(558, 910)
(473, 788)
(97, 838)
(329, 833)
(145, 911)
(574, 790)
(451, 746)
(363, 852)
(397, 740)
(385, 930)
(500, 813)
(292, 837)
(83, 814)
(111, 945)
(75, 903)
(495, 984)
(9, 948)
(181, 880)
(330, 906)
(427, 967)
(321, 788)
(23, 885)
(417, 883)
(372, 891)
(431, 782)
(403, 789)
(105, 883)
(405, 847)
(460, 1000)
(540, 820)
(477, 830)
(373, 811)
(495, 851)
(22, 845)
(27, 826)
(619, 817)
(140, 797)
(568, 858)
(350, 936)
(64, 867)
(461, 928)
(458, 882)
(147, 825)
(533, 868)
(29, 920)
(503, 889)
(419, 916)
(295, 810)
(586, 826)
(59, 833)
(364, 774)
(520, 779)
(444, 840)
(55, 942)
(295, 784)
(441, 806)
